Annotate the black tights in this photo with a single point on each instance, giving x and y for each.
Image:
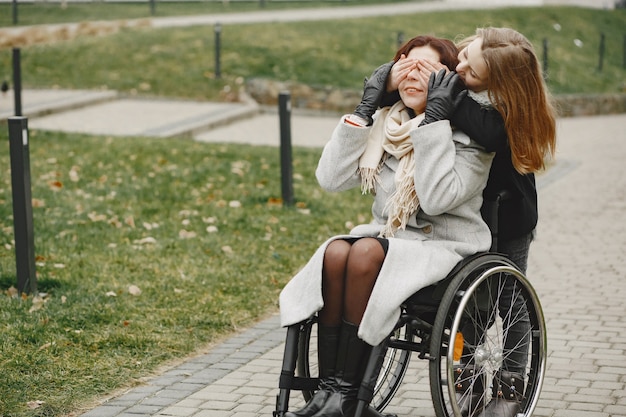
(348, 277)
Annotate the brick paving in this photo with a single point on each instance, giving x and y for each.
(577, 265)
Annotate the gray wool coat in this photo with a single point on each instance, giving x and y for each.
(451, 171)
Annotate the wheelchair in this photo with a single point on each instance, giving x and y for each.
(454, 325)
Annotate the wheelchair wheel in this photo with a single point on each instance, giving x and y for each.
(475, 337)
(392, 372)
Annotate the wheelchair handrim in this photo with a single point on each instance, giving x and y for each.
(542, 339)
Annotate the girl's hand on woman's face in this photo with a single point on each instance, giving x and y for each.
(399, 72)
(427, 66)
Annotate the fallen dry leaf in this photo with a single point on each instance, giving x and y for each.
(130, 221)
(38, 303)
(34, 404)
(55, 185)
(145, 241)
(134, 290)
(45, 346)
(13, 292)
(95, 217)
(74, 174)
(227, 249)
(184, 234)
(150, 226)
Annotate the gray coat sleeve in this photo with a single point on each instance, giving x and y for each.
(337, 169)
(449, 167)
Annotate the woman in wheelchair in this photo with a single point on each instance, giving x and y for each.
(427, 180)
(355, 283)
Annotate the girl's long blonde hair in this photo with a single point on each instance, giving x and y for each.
(517, 90)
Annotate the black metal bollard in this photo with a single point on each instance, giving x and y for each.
(22, 205)
(624, 52)
(218, 50)
(601, 52)
(15, 12)
(17, 81)
(400, 39)
(284, 110)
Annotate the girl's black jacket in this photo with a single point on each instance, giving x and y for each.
(518, 214)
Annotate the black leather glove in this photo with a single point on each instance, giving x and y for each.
(373, 90)
(443, 96)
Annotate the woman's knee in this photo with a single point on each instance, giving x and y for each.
(368, 248)
(366, 254)
(335, 257)
(337, 251)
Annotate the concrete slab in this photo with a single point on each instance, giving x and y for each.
(306, 131)
(41, 102)
(140, 117)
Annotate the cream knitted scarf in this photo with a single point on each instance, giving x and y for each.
(390, 135)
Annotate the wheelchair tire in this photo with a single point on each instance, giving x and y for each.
(469, 304)
(392, 372)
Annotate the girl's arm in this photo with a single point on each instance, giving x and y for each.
(483, 125)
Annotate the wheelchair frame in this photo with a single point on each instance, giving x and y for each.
(468, 296)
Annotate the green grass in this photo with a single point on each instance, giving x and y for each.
(38, 13)
(179, 62)
(97, 199)
(92, 210)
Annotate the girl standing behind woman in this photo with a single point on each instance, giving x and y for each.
(508, 111)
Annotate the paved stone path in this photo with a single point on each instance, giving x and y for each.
(577, 264)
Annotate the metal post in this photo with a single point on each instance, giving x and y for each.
(218, 50)
(601, 52)
(152, 7)
(545, 58)
(624, 52)
(15, 12)
(284, 109)
(22, 205)
(400, 39)
(17, 82)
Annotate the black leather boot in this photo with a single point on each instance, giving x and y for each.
(327, 341)
(470, 390)
(508, 391)
(344, 386)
